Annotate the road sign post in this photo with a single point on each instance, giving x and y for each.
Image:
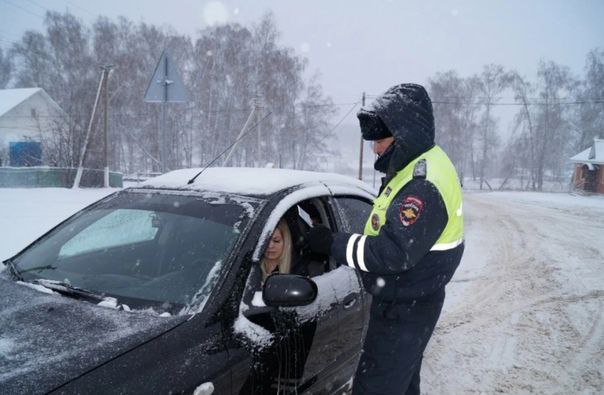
(165, 86)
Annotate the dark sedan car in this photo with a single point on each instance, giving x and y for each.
(156, 289)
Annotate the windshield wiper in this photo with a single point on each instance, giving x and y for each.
(13, 270)
(69, 290)
(39, 268)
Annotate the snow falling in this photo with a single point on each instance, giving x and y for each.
(523, 312)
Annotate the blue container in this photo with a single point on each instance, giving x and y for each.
(25, 153)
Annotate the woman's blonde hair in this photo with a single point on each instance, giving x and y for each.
(285, 260)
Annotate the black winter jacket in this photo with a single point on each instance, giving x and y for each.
(400, 266)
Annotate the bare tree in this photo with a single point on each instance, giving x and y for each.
(553, 129)
(492, 82)
(6, 69)
(588, 118)
(525, 144)
(32, 60)
(226, 68)
(456, 113)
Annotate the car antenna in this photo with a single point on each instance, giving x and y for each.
(192, 180)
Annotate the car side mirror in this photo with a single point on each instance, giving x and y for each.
(289, 290)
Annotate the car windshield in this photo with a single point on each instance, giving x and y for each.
(156, 250)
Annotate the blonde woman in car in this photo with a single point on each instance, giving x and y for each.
(278, 255)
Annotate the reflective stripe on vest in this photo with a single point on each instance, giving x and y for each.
(441, 173)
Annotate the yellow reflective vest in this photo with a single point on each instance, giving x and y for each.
(439, 171)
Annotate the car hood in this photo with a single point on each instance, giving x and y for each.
(46, 340)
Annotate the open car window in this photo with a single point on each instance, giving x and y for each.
(299, 218)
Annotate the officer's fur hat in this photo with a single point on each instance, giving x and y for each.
(405, 112)
(372, 127)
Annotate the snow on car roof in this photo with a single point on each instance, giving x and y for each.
(249, 181)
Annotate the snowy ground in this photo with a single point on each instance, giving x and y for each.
(26, 214)
(523, 312)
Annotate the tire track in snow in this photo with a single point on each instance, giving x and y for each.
(524, 321)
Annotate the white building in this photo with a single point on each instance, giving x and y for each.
(26, 115)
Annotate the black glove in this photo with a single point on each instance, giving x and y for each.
(320, 239)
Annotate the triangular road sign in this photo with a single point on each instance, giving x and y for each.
(166, 85)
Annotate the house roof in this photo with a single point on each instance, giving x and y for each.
(593, 155)
(9, 98)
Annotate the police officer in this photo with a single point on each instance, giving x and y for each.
(412, 242)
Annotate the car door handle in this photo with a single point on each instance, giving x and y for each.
(349, 301)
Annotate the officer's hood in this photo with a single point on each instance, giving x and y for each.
(406, 110)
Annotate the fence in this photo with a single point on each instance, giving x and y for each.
(40, 177)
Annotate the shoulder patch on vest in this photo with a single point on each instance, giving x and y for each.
(375, 222)
(421, 169)
(410, 210)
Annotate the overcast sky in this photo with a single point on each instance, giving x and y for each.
(370, 45)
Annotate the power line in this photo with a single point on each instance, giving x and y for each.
(534, 103)
(339, 122)
(23, 9)
(6, 41)
(343, 118)
(483, 100)
(81, 8)
(7, 34)
(37, 5)
(145, 114)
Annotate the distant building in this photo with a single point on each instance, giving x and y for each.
(27, 118)
(589, 169)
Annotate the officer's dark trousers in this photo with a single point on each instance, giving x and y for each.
(396, 339)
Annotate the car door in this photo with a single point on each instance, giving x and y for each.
(353, 212)
(336, 346)
(336, 316)
(305, 353)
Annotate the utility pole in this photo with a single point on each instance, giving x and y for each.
(106, 71)
(163, 152)
(258, 109)
(545, 137)
(165, 86)
(78, 177)
(361, 149)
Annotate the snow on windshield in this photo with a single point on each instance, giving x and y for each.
(201, 296)
(155, 250)
(68, 327)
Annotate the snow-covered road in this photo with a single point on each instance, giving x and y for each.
(525, 308)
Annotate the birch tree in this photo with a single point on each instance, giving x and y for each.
(492, 82)
(456, 110)
(225, 68)
(588, 119)
(555, 85)
(6, 69)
